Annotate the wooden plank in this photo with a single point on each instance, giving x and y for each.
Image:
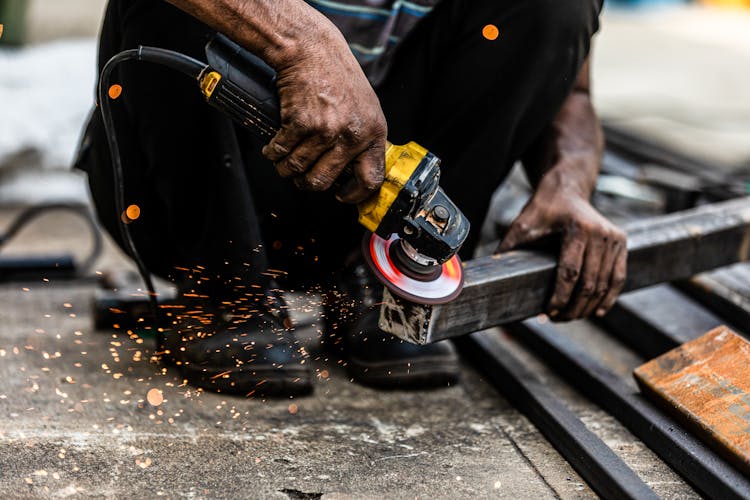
(705, 383)
(683, 452)
(516, 285)
(597, 464)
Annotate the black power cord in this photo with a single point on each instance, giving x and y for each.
(175, 60)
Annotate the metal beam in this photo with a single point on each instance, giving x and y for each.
(654, 320)
(725, 291)
(597, 464)
(516, 285)
(714, 183)
(683, 452)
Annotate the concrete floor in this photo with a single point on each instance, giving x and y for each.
(75, 419)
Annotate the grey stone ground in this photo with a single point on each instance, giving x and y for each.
(74, 420)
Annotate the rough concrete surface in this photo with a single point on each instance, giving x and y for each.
(75, 420)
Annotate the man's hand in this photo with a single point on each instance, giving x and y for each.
(592, 266)
(564, 165)
(330, 118)
(330, 115)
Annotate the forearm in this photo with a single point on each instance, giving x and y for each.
(568, 157)
(278, 31)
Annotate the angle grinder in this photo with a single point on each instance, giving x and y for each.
(415, 229)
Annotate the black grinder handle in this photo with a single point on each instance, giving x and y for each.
(246, 91)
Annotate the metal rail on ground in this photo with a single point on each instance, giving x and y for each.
(597, 464)
(683, 452)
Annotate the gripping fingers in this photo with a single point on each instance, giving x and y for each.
(325, 171)
(283, 143)
(586, 292)
(369, 171)
(604, 279)
(617, 283)
(303, 157)
(568, 270)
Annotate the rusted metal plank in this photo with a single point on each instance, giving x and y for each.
(597, 464)
(705, 383)
(683, 452)
(516, 285)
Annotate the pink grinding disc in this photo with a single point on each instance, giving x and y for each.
(444, 288)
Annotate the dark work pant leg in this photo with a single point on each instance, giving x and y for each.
(182, 160)
(479, 104)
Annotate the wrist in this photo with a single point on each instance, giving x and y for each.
(294, 45)
(568, 178)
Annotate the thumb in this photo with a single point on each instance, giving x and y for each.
(518, 233)
(531, 225)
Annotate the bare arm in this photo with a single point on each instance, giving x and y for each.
(564, 166)
(330, 115)
(275, 30)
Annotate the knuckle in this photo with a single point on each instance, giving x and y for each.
(319, 182)
(569, 273)
(588, 289)
(294, 164)
(523, 226)
(327, 136)
(372, 180)
(618, 282)
(573, 228)
(620, 238)
(278, 148)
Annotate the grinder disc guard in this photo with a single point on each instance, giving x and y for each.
(443, 287)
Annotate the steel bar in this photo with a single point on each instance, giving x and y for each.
(683, 452)
(656, 319)
(516, 285)
(714, 182)
(725, 291)
(597, 464)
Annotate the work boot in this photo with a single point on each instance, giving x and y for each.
(253, 353)
(374, 357)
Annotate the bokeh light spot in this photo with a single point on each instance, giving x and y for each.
(115, 91)
(154, 397)
(133, 212)
(490, 32)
